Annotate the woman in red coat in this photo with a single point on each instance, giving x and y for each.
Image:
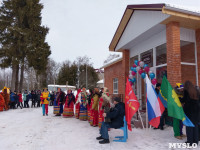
(20, 99)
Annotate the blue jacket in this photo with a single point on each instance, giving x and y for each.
(12, 97)
(117, 115)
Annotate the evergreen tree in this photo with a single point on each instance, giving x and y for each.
(22, 38)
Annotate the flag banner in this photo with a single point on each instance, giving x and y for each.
(154, 105)
(131, 104)
(174, 105)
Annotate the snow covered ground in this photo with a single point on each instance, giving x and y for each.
(27, 129)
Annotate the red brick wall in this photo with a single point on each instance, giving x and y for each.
(118, 70)
(111, 72)
(188, 72)
(173, 53)
(198, 52)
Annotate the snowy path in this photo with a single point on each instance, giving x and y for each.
(27, 129)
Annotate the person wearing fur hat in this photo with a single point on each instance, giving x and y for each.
(116, 115)
(104, 106)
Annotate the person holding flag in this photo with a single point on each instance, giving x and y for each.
(171, 101)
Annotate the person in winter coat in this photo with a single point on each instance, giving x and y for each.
(38, 94)
(25, 95)
(16, 97)
(45, 97)
(19, 104)
(34, 98)
(69, 104)
(191, 109)
(116, 115)
(12, 100)
(104, 105)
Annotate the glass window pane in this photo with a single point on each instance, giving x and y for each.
(160, 72)
(161, 54)
(187, 52)
(147, 57)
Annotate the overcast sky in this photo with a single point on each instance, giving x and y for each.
(86, 27)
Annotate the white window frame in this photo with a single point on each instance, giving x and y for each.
(115, 88)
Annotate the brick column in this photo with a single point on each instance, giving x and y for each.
(198, 52)
(173, 53)
(125, 69)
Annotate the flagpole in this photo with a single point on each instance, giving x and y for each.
(141, 118)
(146, 107)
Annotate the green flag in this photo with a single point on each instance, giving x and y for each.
(174, 106)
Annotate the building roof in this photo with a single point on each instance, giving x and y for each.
(187, 18)
(113, 61)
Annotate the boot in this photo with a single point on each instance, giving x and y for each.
(104, 141)
(100, 138)
(178, 137)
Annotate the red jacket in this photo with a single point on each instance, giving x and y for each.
(20, 97)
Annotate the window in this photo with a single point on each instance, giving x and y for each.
(115, 86)
(147, 57)
(161, 54)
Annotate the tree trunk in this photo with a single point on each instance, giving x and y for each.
(17, 78)
(21, 76)
(13, 78)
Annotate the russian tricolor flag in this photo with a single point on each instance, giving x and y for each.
(154, 105)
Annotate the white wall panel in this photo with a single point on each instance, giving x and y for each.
(140, 22)
(156, 40)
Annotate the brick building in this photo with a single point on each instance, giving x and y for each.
(165, 37)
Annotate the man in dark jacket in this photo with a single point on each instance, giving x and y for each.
(116, 115)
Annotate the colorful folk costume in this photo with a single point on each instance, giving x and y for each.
(91, 112)
(69, 105)
(104, 106)
(95, 107)
(77, 100)
(2, 103)
(83, 106)
(89, 97)
(60, 96)
(45, 97)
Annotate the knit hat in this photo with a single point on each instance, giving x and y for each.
(179, 86)
(117, 99)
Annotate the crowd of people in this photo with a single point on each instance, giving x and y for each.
(13, 100)
(96, 108)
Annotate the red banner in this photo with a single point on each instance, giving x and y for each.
(131, 104)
